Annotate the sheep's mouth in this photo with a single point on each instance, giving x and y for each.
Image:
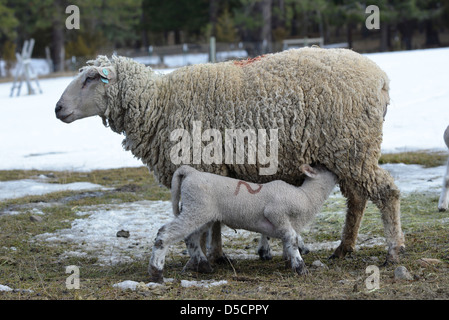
(64, 118)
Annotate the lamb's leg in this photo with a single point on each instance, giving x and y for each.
(290, 239)
(291, 252)
(176, 230)
(444, 197)
(263, 249)
(356, 207)
(198, 260)
(302, 247)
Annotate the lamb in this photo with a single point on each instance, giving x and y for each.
(327, 106)
(275, 209)
(444, 197)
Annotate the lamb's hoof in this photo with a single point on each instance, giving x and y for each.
(304, 250)
(201, 266)
(264, 254)
(441, 209)
(156, 275)
(301, 269)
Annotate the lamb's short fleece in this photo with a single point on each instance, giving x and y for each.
(276, 209)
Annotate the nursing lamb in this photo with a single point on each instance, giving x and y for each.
(327, 106)
(275, 209)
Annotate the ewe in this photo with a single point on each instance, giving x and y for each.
(326, 105)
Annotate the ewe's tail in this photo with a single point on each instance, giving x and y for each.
(176, 183)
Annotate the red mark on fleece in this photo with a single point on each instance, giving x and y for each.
(248, 187)
(246, 62)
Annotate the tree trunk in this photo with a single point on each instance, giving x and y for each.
(349, 35)
(57, 37)
(57, 46)
(213, 13)
(432, 38)
(266, 28)
(384, 34)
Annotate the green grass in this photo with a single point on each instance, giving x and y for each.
(425, 158)
(29, 264)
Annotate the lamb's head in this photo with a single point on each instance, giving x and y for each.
(86, 95)
(319, 172)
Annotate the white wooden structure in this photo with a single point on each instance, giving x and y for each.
(299, 43)
(24, 70)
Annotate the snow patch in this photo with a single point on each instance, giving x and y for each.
(202, 283)
(28, 187)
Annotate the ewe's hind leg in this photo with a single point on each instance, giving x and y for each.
(444, 197)
(387, 199)
(356, 207)
(198, 260)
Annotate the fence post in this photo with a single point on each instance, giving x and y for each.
(212, 50)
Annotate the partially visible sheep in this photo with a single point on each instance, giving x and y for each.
(444, 197)
(327, 105)
(275, 209)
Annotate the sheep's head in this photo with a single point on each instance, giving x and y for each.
(86, 96)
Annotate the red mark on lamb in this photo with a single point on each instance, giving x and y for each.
(246, 62)
(248, 187)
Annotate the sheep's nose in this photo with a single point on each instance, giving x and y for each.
(58, 107)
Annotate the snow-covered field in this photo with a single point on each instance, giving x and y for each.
(32, 138)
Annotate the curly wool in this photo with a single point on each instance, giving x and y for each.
(327, 104)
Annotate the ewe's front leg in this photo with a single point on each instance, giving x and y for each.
(216, 254)
(198, 261)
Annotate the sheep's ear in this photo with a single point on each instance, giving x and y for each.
(107, 74)
(308, 171)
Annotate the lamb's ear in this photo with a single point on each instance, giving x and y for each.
(308, 171)
(107, 74)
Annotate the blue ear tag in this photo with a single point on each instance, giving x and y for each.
(104, 80)
(105, 72)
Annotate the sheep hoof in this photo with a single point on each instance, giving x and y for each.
(441, 209)
(304, 250)
(198, 265)
(301, 269)
(393, 255)
(340, 252)
(264, 254)
(221, 260)
(156, 275)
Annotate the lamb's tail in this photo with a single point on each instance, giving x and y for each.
(176, 184)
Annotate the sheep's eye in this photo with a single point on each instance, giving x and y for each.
(88, 80)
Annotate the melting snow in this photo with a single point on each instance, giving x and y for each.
(28, 187)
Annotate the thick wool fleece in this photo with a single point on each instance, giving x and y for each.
(327, 104)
